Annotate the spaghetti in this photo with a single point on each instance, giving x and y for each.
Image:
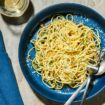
(63, 51)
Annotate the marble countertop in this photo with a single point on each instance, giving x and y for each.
(12, 34)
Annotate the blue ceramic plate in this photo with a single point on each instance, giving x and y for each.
(81, 14)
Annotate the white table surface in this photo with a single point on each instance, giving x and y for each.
(11, 39)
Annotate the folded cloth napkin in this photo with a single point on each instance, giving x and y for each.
(9, 92)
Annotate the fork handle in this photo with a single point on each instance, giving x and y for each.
(70, 100)
(86, 89)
